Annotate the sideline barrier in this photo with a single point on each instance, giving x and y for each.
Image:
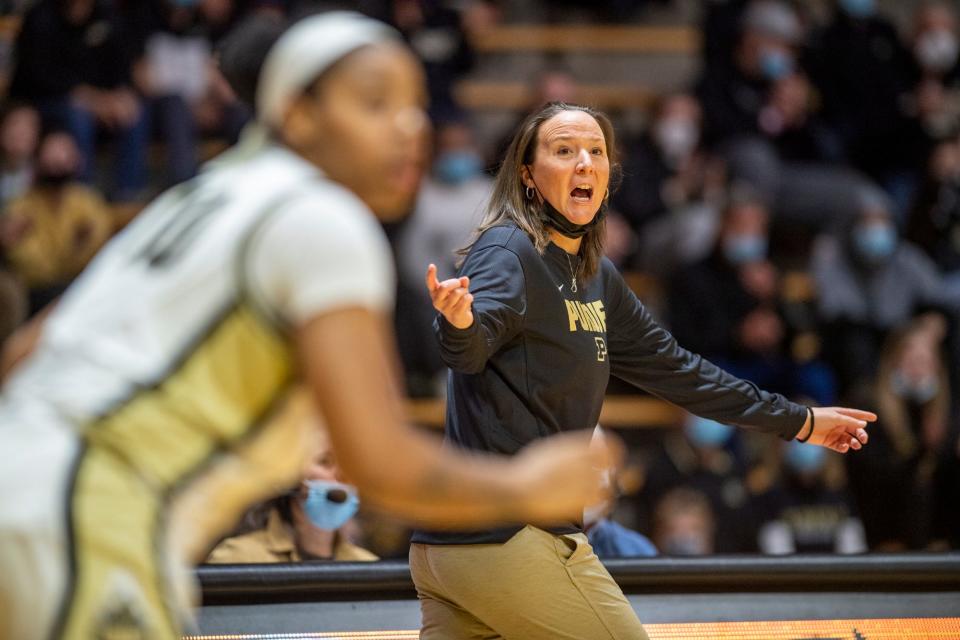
(902, 596)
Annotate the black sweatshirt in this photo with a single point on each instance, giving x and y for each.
(538, 356)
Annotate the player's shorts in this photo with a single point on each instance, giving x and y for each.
(82, 548)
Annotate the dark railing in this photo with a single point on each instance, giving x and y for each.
(226, 584)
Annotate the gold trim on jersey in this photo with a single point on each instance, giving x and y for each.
(139, 454)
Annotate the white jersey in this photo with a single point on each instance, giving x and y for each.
(142, 405)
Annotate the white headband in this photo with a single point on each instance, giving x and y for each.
(305, 50)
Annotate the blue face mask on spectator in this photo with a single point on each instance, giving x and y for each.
(707, 433)
(875, 242)
(805, 458)
(775, 64)
(454, 167)
(330, 504)
(744, 248)
(859, 8)
(919, 391)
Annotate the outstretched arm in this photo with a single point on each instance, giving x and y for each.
(349, 364)
(837, 428)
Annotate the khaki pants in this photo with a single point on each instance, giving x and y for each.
(534, 586)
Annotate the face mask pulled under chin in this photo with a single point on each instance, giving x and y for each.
(553, 218)
(329, 505)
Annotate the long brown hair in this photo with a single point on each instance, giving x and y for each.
(896, 422)
(508, 202)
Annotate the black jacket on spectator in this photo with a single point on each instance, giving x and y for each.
(732, 106)
(934, 224)
(640, 196)
(54, 56)
(537, 359)
(861, 70)
(707, 305)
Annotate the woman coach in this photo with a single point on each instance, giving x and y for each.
(532, 329)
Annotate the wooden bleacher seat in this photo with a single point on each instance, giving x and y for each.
(516, 96)
(618, 412)
(513, 38)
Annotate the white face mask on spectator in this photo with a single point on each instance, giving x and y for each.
(937, 50)
(677, 138)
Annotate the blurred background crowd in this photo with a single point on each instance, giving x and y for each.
(789, 208)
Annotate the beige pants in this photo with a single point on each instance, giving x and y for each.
(534, 586)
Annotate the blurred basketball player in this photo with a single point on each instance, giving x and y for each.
(134, 434)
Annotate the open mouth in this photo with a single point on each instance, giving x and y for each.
(582, 193)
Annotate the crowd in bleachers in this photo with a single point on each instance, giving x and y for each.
(797, 203)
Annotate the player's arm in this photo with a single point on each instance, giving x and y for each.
(349, 364)
(23, 341)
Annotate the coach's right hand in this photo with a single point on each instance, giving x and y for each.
(452, 298)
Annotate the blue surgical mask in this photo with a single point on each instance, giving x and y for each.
(454, 167)
(805, 458)
(859, 8)
(775, 64)
(330, 504)
(707, 433)
(744, 248)
(919, 391)
(875, 242)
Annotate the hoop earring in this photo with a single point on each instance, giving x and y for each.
(529, 191)
(606, 196)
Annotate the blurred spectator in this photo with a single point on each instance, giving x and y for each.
(707, 457)
(934, 224)
(451, 199)
(869, 282)
(683, 524)
(611, 539)
(892, 478)
(728, 308)
(808, 510)
(862, 71)
(664, 170)
(721, 30)
(19, 138)
(758, 114)
(175, 70)
(52, 231)
(946, 491)
(608, 538)
(436, 34)
(553, 83)
(308, 523)
(935, 76)
(13, 306)
(73, 66)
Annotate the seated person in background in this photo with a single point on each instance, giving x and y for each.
(894, 483)
(19, 138)
(671, 188)
(706, 456)
(934, 223)
(808, 510)
(934, 101)
(609, 538)
(684, 524)
(306, 523)
(729, 308)
(52, 231)
(448, 208)
(869, 282)
(73, 65)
